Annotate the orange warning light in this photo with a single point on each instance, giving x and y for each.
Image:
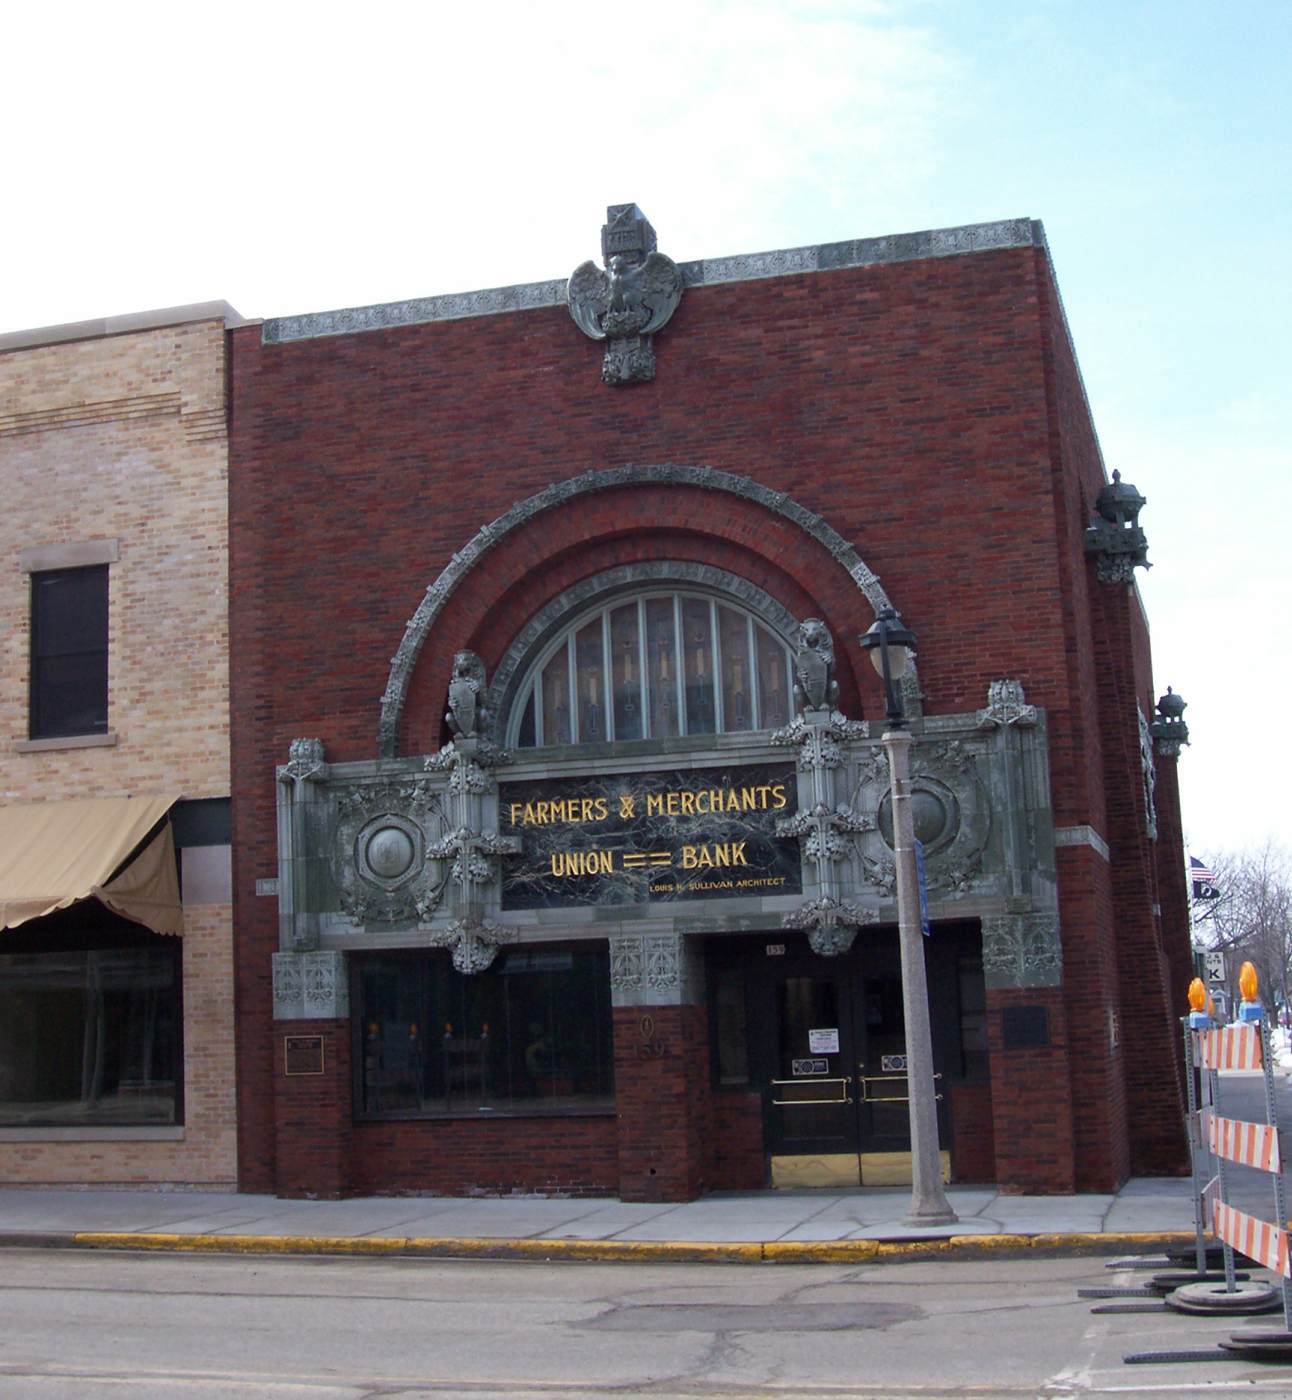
(1247, 983)
(1197, 994)
(1211, 1007)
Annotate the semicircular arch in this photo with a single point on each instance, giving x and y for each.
(561, 493)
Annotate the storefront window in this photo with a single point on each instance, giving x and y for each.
(532, 1034)
(654, 667)
(90, 1037)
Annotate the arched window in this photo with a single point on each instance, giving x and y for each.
(654, 665)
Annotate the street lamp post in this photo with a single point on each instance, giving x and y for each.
(891, 645)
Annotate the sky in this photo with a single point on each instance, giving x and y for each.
(291, 158)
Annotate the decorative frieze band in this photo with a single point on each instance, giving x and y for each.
(1021, 950)
(311, 986)
(653, 970)
(528, 296)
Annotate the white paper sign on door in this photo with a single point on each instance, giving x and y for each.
(824, 1042)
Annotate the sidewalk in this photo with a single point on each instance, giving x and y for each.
(784, 1226)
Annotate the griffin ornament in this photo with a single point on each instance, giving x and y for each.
(628, 301)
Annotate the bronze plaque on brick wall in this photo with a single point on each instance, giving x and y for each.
(302, 1054)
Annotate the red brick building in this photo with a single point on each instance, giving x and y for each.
(561, 823)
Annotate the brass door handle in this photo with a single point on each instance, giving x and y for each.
(843, 1096)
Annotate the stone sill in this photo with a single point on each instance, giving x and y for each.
(167, 1132)
(493, 1116)
(69, 741)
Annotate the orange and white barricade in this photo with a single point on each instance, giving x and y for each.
(1248, 1144)
(1258, 1239)
(1231, 1047)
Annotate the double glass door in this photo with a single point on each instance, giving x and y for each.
(833, 1069)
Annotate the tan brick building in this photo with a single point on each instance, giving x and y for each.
(116, 1036)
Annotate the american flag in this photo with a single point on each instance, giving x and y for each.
(1203, 878)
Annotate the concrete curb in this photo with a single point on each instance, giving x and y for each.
(1004, 1246)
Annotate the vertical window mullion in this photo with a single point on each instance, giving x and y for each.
(679, 653)
(539, 739)
(607, 675)
(755, 692)
(719, 722)
(643, 659)
(572, 685)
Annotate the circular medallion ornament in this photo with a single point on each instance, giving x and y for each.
(389, 851)
(935, 811)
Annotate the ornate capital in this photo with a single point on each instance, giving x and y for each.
(831, 924)
(1021, 950)
(311, 987)
(1006, 707)
(658, 969)
(822, 830)
(305, 760)
(821, 736)
(474, 943)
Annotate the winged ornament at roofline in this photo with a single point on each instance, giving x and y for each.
(628, 301)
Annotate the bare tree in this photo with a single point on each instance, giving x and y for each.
(1251, 918)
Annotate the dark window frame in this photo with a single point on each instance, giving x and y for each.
(88, 927)
(518, 1108)
(47, 712)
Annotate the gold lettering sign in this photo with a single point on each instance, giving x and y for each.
(638, 838)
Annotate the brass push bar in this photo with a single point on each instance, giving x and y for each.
(843, 1096)
(865, 1097)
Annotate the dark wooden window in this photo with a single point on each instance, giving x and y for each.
(69, 652)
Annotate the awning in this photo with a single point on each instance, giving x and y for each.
(53, 854)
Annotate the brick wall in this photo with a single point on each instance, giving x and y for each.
(1152, 1060)
(574, 1156)
(973, 1137)
(1031, 1105)
(124, 438)
(737, 1161)
(930, 411)
(662, 1099)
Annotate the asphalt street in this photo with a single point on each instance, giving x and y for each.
(79, 1326)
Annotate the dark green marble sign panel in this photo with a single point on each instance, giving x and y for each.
(640, 838)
